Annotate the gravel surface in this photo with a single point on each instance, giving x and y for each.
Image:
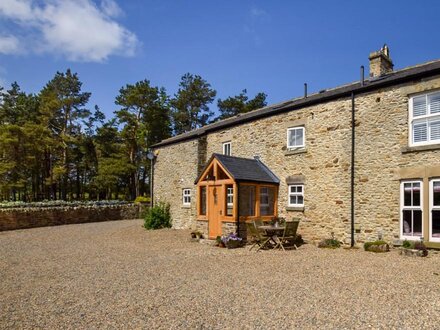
(118, 275)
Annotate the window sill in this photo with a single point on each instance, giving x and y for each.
(295, 208)
(295, 151)
(427, 147)
(186, 206)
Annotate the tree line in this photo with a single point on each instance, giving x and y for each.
(54, 146)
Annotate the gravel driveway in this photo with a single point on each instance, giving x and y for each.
(118, 275)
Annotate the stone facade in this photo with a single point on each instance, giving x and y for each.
(176, 168)
(21, 218)
(382, 159)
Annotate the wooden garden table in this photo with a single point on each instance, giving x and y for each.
(273, 232)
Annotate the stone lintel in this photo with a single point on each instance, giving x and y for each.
(292, 179)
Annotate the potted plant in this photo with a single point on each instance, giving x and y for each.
(219, 242)
(232, 241)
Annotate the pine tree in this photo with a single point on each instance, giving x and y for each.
(190, 105)
(235, 105)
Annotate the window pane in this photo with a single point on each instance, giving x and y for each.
(293, 200)
(420, 132)
(268, 207)
(416, 195)
(300, 200)
(407, 189)
(419, 106)
(292, 138)
(203, 201)
(299, 137)
(299, 189)
(229, 199)
(434, 103)
(435, 228)
(292, 189)
(247, 200)
(407, 223)
(417, 223)
(434, 130)
(436, 193)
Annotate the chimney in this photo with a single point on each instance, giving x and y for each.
(380, 62)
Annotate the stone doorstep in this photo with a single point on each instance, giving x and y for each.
(206, 241)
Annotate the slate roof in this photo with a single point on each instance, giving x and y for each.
(244, 169)
(396, 77)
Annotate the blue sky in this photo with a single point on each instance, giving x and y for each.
(268, 46)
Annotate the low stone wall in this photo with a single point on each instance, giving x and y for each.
(11, 219)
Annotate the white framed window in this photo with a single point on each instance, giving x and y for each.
(434, 210)
(411, 213)
(424, 119)
(296, 195)
(295, 137)
(230, 196)
(227, 148)
(229, 199)
(186, 193)
(264, 197)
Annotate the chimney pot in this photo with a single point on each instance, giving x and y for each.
(380, 62)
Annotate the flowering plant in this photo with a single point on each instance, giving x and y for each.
(231, 240)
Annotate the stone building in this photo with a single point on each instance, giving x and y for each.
(361, 161)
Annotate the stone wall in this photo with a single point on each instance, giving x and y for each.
(382, 159)
(324, 163)
(175, 169)
(11, 219)
(381, 156)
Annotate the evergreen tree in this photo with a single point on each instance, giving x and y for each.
(232, 106)
(144, 115)
(191, 103)
(62, 108)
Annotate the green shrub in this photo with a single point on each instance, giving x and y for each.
(407, 244)
(158, 216)
(142, 199)
(377, 246)
(329, 243)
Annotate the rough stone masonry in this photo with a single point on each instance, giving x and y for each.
(382, 158)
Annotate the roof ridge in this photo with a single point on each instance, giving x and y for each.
(395, 77)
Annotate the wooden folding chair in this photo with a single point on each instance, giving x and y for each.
(289, 235)
(258, 237)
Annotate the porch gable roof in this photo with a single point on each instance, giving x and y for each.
(244, 169)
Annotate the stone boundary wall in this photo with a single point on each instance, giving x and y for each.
(21, 218)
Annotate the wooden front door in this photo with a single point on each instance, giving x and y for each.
(215, 199)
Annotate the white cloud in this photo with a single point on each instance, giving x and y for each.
(9, 45)
(76, 29)
(111, 8)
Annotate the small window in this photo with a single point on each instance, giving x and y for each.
(295, 137)
(267, 201)
(264, 196)
(186, 197)
(227, 148)
(411, 209)
(424, 119)
(229, 199)
(202, 207)
(296, 195)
